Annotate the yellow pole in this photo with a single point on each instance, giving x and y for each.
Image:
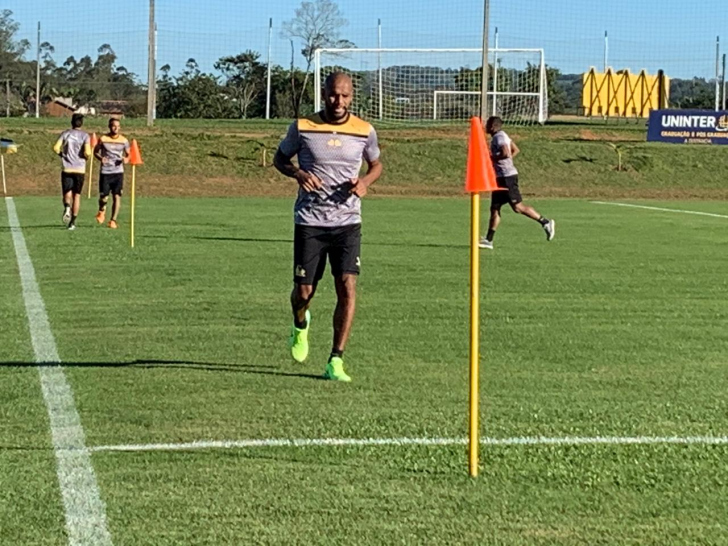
(474, 332)
(90, 175)
(2, 159)
(133, 192)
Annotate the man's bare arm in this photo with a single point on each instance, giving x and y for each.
(361, 185)
(309, 182)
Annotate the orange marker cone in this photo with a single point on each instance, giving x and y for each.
(480, 175)
(135, 155)
(135, 158)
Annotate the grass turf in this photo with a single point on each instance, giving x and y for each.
(614, 328)
(214, 158)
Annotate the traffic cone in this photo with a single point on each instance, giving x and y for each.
(135, 155)
(480, 175)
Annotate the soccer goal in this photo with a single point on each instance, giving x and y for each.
(439, 84)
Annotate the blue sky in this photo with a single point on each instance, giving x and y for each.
(677, 36)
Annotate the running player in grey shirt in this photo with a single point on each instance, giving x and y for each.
(330, 147)
(502, 152)
(74, 147)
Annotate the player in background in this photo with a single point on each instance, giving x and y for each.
(74, 147)
(331, 146)
(112, 151)
(502, 152)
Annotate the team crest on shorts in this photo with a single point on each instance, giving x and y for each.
(300, 271)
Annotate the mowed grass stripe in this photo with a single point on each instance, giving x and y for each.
(84, 509)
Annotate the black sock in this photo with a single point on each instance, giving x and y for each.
(336, 353)
(73, 220)
(300, 325)
(543, 220)
(491, 234)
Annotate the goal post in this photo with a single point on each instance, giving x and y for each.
(408, 84)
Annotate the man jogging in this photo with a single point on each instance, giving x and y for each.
(502, 152)
(74, 147)
(113, 152)
(331, 146)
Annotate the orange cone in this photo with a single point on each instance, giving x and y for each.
(480, 175)
(94, 140)
(135, 155)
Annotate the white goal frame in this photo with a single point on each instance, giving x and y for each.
(541, 94)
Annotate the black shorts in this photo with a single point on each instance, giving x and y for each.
(311, 245)
(72, 182)
(512, 196)
(111, 184)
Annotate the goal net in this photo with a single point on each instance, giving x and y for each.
(438, 84)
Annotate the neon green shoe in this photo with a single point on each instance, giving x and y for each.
(299, 340)
(335, 370)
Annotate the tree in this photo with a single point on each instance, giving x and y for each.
(244, 80)
(318, 25)
(695, 93)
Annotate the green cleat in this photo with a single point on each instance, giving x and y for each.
(299, 340)
(335, 370)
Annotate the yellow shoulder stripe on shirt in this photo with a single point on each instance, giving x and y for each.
(353, 126)
(118, 140)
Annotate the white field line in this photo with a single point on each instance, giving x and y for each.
(85, 511)
(329, 442)
(695, 212)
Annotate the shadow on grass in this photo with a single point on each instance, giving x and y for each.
(256, 369)
(290, 241)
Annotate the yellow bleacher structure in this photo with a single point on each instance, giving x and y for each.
(623, 94)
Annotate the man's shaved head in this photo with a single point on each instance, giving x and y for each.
(336, 77)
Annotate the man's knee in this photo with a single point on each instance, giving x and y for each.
(346, 286)
(302, 293)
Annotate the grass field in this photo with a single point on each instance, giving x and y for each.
(616, 328)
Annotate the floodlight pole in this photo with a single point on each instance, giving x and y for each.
(724, 88)
(717, 73)
(151, 68)
(484, 75)
(495, 74)
(268, 84)
(37, 75)
(606, 51)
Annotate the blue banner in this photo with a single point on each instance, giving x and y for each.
(688, 126)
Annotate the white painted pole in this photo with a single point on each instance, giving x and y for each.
(723, 106)
(495, 75)
(2, 160)
(37, 76)
(717, 73)
(484, 75)
(316, 77)
(151, 68)
(379, 60)
(268, 84)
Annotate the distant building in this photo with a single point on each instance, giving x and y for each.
(60, 107)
